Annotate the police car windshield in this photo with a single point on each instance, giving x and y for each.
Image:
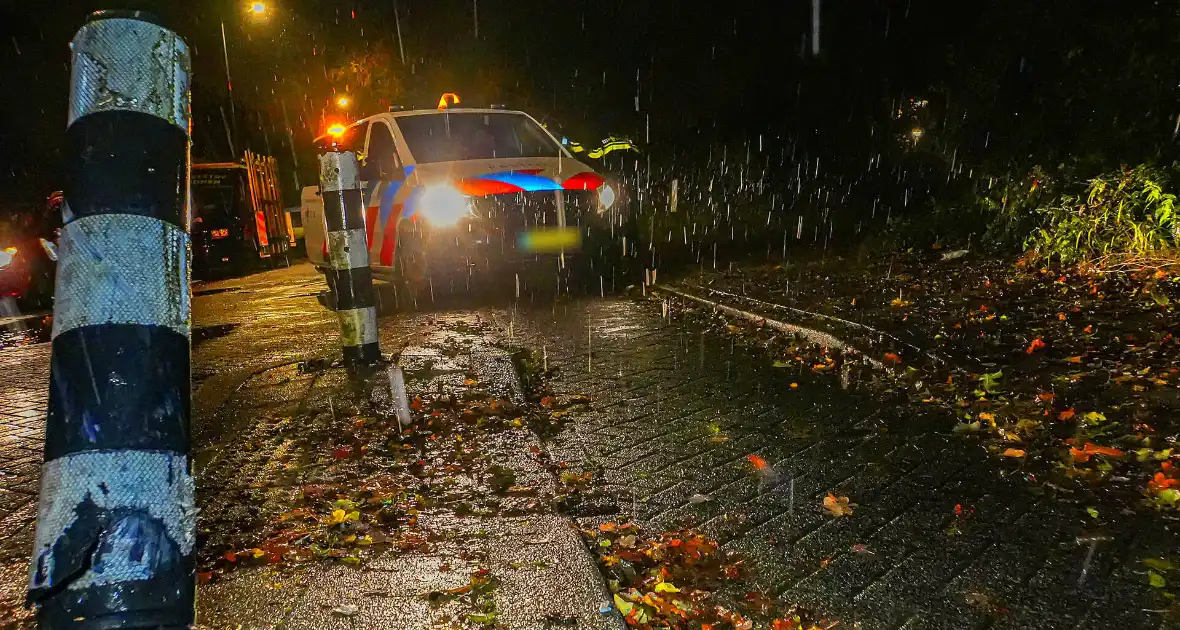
(447, 137)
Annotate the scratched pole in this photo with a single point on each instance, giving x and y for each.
(116, 521)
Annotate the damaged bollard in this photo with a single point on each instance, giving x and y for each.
(349, 276)
(116, 521)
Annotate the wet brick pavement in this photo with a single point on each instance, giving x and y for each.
(674, 418)
(677, 414)
(24, 387)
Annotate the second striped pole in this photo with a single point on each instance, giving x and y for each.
(349, 276)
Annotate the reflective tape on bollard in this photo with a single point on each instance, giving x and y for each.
(348, 274)
(116, 522)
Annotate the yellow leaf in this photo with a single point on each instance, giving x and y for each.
(666, 587)
(623, 605)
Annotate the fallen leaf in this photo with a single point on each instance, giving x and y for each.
(1013, 452)
(892, 358)
(1066, 415)
(1091, 449)
(1037, 344)
(346, 610)
(1159, 564)
(838, 506)
(758, 462)
(1156, 580)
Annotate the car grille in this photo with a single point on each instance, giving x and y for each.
(515, 212)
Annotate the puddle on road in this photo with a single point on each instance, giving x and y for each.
(199, 292)
(25, 331)
(206, 333)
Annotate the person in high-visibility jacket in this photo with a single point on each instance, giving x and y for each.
(609, 145)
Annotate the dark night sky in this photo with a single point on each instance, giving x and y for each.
(704, 72)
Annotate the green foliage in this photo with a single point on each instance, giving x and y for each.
(1125, 212)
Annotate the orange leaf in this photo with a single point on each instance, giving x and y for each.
(1067, 414)
(1091, 449)
(1013, 452)
(607, 527)
(1074, 359)
(1036, 344)
(892, 358)
(417, 404)
(1103, 450)
(758, 462)
(838, 506)
(1045, 396)
(1061, 316)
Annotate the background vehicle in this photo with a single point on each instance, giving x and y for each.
(28, 253)
(458, 192)
(239, 222)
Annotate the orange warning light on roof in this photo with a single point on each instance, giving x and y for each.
(442, 102)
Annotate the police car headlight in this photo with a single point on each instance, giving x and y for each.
(443, 206)
(606, 198)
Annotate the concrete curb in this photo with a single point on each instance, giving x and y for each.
(810, 334)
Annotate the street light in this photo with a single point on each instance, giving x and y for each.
(343, 102)
(258, 9)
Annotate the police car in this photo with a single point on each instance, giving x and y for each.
(453, 192)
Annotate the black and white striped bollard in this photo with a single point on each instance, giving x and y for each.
(349, 275)
(116, 522)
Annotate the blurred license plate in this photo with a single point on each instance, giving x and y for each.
(550, 239)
